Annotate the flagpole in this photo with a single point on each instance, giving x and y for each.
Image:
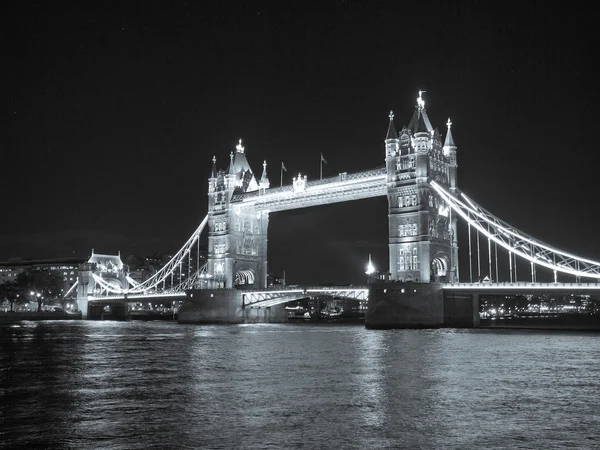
(321, 166)
(281, 184)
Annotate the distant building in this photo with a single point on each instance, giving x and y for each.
(65, 267)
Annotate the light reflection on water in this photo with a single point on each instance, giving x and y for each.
(124, 385)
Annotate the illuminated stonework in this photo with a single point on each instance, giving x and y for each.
(237, 233)
(421, 241)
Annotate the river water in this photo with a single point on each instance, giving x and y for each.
(140, 385)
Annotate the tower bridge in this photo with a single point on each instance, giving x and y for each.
(419, 178)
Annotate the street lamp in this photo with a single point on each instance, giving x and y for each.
(370, 267)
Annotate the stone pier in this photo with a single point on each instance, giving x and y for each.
(224, 306)
(419, 305)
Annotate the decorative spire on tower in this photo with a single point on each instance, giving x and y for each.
(213, 172)
(391, 133)
(264, 181)
(240, 147)
(231, 172)
(420, 101)
(449, 139)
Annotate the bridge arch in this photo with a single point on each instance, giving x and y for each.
(440, 264)
(244, 278)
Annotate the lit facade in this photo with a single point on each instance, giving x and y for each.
(66, 268)
(237, 236)
(422, 231)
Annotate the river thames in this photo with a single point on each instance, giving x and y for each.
(139, 385)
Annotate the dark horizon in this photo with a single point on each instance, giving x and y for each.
(112, 114)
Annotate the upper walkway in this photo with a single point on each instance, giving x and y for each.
(300, 194)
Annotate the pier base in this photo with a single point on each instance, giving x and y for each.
(418, 305)
(224, 306)
(82, 305)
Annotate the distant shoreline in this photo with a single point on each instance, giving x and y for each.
(12, 317)
(567, 322)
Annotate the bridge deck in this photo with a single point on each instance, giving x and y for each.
(344, 187)
(523, 287)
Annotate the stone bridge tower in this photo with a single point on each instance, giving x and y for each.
(422, 230)
(237, 234)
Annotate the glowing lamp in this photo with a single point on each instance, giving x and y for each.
(370, 267)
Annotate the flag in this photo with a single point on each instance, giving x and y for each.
(323, 159)
(283, 166)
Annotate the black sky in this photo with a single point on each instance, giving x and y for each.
(111, 112)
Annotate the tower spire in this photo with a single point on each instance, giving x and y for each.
(391, 132)
(420, 101)
(449, 142)
(213, 173)
(240, 147)
(231, 172)
(264, 181)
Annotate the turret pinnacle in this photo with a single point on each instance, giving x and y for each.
(231, 170)
(264, 180)
(391, 133)
(213, 172)
(449, 139)
(240, 147)
(420, 101)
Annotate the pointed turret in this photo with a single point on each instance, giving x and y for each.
(239, 172)
(230, 177)
(450, 152)
(420, 114)
(212, 181)
(391, 133)
(421, 125)
(449, 142)
(213, 172)
(231, 170)
(264, 181)
(391, 139)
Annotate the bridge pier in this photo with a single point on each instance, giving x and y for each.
(83, 306)
(225, 306)
(419, 305)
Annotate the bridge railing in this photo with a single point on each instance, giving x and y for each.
(310, 184)
(522, 284)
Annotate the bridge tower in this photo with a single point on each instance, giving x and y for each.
(237, 237)
(108, 267)
(422, 232)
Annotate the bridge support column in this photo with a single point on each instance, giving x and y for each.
(405, 305)
(224, 306)
(461, 310)
(420, 305)
(82, 305)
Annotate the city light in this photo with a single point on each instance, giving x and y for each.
(370, 267)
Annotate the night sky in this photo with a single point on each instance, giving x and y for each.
(112, 111)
